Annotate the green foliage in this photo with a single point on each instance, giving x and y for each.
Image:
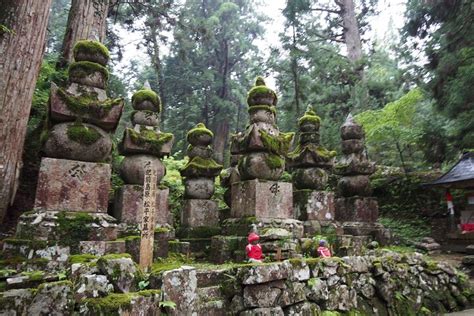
(173, 181)
(167, 304)
(407, 230)
(147, 95)
(83, 134)
(91, 47)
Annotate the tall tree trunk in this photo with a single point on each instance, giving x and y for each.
(159, 70)
(22, 52)
(220, 139)
(351, 30)
(294, 71)
(87, 20)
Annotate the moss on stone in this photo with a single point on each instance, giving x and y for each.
(34, 275)
(269, 108)
(147, 95)
(155, 140)
(83, 134)
(82, 258)
(317, 150)
(279, 144)
(35, 244)
(53, 284)
(274, 161)
(110, 304)
(161, 230)
(91, 47)
(82, 69)
(148, 293)
(87, 103)
(74, 227)
(197, 131)
(309, 118)
(198, 232)
(112, 256)
(260, 90)
(199, 165)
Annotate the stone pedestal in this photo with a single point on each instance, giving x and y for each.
(128, 206)
(262, 199)
(199, 213)
(314, 205)
(361, 209)
(69, 185)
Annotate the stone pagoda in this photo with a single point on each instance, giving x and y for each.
(200, 214)
(311, 164)
(355, 207)
(74, 179)
(260, 202)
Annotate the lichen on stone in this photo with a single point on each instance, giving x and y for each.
(147, 95)
(319, 152)
(82, 134)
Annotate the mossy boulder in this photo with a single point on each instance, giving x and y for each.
(146, 99)
(201, 167)
(260, 94)
(78, 141)
(201, 151)
(89, 74)
(93, 51)
(200, 135)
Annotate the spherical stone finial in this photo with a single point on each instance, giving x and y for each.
(309, 121)
(92, 51)
(200, 135)
(146, 99)
(260, 94)
(259, 81)
(351, 130)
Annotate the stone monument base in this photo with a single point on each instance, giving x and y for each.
(363, 209)
(128, 206)
(314, 205)
(198, 213)
(70, 185)
(262, 199)
(375, 230)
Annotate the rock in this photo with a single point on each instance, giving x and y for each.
(294, 293)
(310, 178)
(180, 286)
(122, 272)
(200, 151)
(357, 209)
(264, 115)
(468, 260)
(352, 146)
(100, 248)
(298, 270)
(273, 311)
(198, 188)
(94, 77)
(78, 269)
(146, 140)
(303, 309)
(470, 249)
(351, 130)
(264, 295)
(199, 213)
(314, 205)
(357, 264)
(263, 273)
(317, 290)
(261, 165)
(68, 185)
(147, 118)
(267, 199)
(53, 299)
(132, 169)
(139, 303)
(354, 185)
(342, 298)
(78, 141)
(92, 285)
(16, 302)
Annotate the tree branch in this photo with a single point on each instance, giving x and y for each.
(326, 10)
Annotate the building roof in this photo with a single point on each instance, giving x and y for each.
(461, 175)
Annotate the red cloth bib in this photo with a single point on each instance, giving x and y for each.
(324, 252)
(254, 251)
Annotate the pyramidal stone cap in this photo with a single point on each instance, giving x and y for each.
(351, 130)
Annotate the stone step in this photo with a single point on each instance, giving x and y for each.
(30, 249)
(29, 280)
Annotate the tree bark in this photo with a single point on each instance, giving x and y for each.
(87, 20)
(22, 52)
(220, 140)
(351, 30)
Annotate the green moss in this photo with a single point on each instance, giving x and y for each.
(88, 103)
(112, 256)
(200, 129)
(148, 293)
(274, 161)
(199, 165)
(162, 230)
(7, 272)
(198, 232)
(279, 144)
(317, 150)
(74, 227)
(54, 284)
(111, 304)
(269, 108)
(147, 95)
(91, 47)
(82, 258)
(35, 244)
(260, 90)
(34, 275)
(330, 313)
(83, 134)
(309, 118)
(82, 69)
(155, 140)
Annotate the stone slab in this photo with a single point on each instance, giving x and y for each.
(60, 112)
(128, 206)
(262, 199)
(360, 209)
(197, 213)
(314, 205)
(70, 185)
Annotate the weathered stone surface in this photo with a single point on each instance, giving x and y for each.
(198, 188)
(350, 146)
(147, 118)
(129, 205)
(198, 213)
(263, 273)
(356, 209)
(263, 115)
(223, 248)
(92, 285)
(262, 199)
(128, 147)
(298, 270)
(200, 151)
(351, 130)
(60, 145)
(258, 165)
(68, 185)
(310, 178)
(101, 247)
(354, 164)
(303, 309)
(59, 112)
(349, 245)
(132, 169)
(270, 311)
(77, 270)
(180, 286)
(120, 271)
(314, 205)
(139, 303)
(264, 295)
(16, 302)
(96, 79)
(54, 298)
(343, 298)
(354, 185)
